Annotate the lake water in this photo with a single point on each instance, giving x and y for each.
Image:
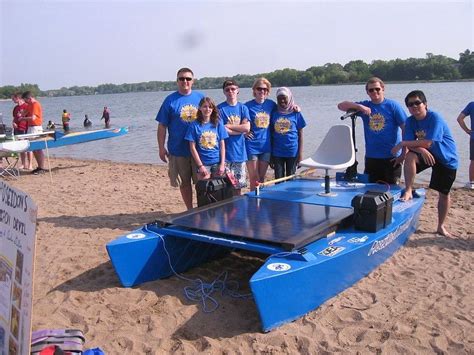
(318, 105)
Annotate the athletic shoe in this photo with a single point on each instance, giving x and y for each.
(470, 185)
(38, 171)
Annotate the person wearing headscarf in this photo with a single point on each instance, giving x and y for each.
(287, 134)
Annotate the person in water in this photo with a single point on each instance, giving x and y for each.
(66, 117)
(106, 116)
(87, 121)
(51, 125)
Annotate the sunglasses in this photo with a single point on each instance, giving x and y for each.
(414, 103)
(230, 89)
(374, 89)
(262, 89)
(185, 78)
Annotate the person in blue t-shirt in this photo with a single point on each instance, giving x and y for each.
(430, 145)
(178, 110)
(286, 127)
(469, 111)
(258, 141)
(384, 121)
(235, 117)
(206, 140)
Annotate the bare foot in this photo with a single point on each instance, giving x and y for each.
(442, 230)
(407, 196)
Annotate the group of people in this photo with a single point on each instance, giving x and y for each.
(28, 118)
(206, 140)
(231, 138)
(66, 118)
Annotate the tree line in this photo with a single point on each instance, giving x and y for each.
(431, 68)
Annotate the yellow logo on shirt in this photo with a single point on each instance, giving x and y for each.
(420, 134)
(208, 140)
(188, 113)
(233, 119)
(282, 125)
(262, 120)
(377, 122)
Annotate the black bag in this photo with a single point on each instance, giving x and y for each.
(213, 190)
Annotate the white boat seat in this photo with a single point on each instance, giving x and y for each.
(336, 151)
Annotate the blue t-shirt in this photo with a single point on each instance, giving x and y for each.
(284, 128)
(177, 112)
(433, 127)
(382, 128)
(260, 115)
(207, 138)
(469, 111)
(234, 145)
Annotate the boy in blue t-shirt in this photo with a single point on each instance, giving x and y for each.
(469, 111)
(430, 145)
(235, 117)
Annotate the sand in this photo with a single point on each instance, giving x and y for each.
(419, 301)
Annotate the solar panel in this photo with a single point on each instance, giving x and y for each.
(288, 224)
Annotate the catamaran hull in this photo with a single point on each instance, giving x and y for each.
(286, 289)
(289, 284)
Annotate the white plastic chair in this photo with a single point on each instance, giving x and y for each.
(11, 149)
(336, 151)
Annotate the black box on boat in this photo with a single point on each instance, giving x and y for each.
(212, 190)
(372, 210)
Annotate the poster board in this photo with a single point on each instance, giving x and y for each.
(17, 249)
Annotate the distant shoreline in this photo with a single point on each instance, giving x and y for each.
(245, 86)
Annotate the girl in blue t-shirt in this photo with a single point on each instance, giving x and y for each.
(206, 140)
(287, 134)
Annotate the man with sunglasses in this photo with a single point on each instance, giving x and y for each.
(384, 121)
(430, 145)
(178, 110)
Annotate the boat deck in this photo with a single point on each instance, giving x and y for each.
(285, 217)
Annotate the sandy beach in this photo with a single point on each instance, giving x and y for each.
(420, 301)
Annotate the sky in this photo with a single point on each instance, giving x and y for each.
(64, 43)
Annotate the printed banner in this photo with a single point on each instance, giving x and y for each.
(17, 249)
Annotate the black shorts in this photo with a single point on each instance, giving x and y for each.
(442, 177)
(383, 170)
(471, 149)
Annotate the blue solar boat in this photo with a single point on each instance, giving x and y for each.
(55, 139)
(312, 242)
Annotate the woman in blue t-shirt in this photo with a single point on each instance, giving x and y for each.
(287, 134)
(206, 140)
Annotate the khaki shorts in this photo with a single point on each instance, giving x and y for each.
(181, 170)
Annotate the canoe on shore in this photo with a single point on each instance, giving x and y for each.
(55, 139)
